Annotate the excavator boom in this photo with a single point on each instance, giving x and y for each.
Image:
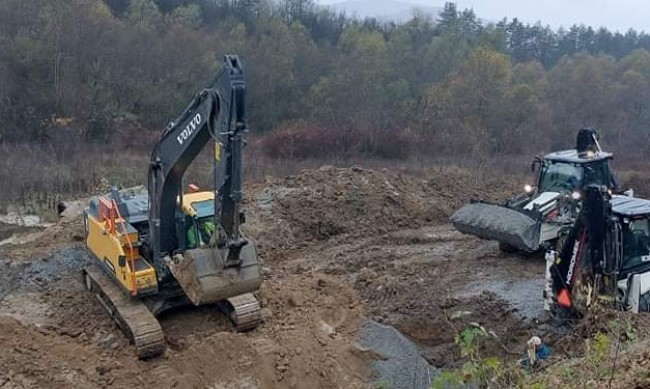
(230, 266)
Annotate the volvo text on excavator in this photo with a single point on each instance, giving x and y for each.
(149, 252)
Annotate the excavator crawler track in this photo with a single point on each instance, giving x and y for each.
(130, 314)
(244, 311)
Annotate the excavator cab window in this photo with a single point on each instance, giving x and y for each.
(199, 232)
(636, 244)
(199, 229)
(203, 208)
(560, 177)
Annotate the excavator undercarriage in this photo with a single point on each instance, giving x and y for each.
(131, 315)
(135, 317)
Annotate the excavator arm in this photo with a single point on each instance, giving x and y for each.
(228, 269)
(215, 113)
(228, 157)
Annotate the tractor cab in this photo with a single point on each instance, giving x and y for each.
(570, 170)
(633, 217)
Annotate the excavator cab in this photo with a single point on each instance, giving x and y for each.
(196, 222)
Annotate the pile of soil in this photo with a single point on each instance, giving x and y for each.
(344, 203)
(66, 339)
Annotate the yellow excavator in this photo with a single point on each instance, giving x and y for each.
(165, 248)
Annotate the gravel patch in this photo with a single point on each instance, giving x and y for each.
(401, 366)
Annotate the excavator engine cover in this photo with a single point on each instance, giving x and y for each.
(496, 222)
(205, 279)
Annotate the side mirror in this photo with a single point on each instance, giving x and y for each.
(121, 261)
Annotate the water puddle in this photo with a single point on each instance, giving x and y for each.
(523, 294)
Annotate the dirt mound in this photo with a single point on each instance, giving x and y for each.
(318, 205)
(308, 341)
(34, 357)
(58, 336)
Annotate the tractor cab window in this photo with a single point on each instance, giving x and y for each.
(636, 244)
(560, 177)
(598, 173)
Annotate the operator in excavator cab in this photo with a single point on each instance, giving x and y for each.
(206, 229)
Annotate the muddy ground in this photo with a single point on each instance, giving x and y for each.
(339, 246)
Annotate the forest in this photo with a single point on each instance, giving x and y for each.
(111, 74)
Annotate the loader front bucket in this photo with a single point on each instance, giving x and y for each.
(518, 229)
(205, 279)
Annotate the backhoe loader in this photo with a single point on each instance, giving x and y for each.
(143, 262)
(532, 220)
(603, 257)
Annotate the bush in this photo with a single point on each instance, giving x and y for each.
(395, 145)
(301, 140)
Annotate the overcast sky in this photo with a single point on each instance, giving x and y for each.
(614, 14)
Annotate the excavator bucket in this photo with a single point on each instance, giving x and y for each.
(205, 278)
(496, 222)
